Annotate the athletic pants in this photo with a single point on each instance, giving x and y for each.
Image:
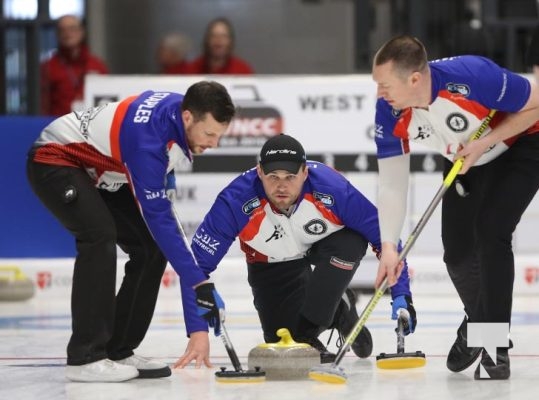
(286, 291)
(477, 230)
(104, 324)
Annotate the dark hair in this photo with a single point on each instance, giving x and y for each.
(209, 29)
(407, 53)
(209, 97)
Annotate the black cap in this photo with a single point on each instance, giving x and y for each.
(282, 152)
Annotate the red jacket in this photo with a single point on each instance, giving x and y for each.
(175, 69)
(235, 66)
(62, 80)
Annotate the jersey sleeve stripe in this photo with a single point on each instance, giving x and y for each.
(119, 116)
(253, 226)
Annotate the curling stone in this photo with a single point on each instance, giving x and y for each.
(15, 285)
(284, 360)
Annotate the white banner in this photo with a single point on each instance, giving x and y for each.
(53, 277)
(328, 114)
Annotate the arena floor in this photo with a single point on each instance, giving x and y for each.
(34, 334)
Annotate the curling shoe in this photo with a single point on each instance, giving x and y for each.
(362, 345)
(461, 356)
(326, 356)
(147, 368)
(101, 371)
(486, 369)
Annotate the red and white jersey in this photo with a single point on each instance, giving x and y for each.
(74, 131)
(464, 90)
(309, 223)
(129, 141)
(327, 203)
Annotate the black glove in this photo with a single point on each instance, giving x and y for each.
(404, 302)
(210, 306)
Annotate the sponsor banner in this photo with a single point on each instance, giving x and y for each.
(53, 277)
(332, 114)
(429, 275)
(357, 162)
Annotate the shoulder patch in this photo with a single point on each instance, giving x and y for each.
(326, 199)
(250, 205)
(458, 88)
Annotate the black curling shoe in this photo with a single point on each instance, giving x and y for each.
(461, 356)
(362, 345)
(486, 369)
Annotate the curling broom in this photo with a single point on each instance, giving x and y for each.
(239, 375)
(400, 359)
(333, 373)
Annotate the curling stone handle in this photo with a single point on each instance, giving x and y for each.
(286, 337)
(17, 273)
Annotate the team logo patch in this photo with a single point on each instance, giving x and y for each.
(278, 232)
(423, 132)
(326, 199)
(396, 113)
(458, 88)
(457, 122)
(248, 207)
(315, 227)
(342, 264)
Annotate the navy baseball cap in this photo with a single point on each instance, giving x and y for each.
(282, 152)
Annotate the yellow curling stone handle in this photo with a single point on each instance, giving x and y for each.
(286, 342)
(11, 273)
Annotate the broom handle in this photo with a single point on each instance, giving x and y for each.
(383, 287)
(457, 166)
(230, 348)
(400, 336)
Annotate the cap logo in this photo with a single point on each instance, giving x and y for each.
(281, 151)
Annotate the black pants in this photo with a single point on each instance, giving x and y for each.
(105, 324)
(477, 230)
(286, 291)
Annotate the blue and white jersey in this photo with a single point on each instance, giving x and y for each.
(328, 202)
(129, 140)
(464, 90)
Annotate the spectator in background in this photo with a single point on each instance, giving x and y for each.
(171, 53)
(218, 52)
(62, 76)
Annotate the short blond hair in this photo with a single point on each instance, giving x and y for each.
(406, 52)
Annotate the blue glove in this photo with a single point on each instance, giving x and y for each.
(404, 302)
(210, 306)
